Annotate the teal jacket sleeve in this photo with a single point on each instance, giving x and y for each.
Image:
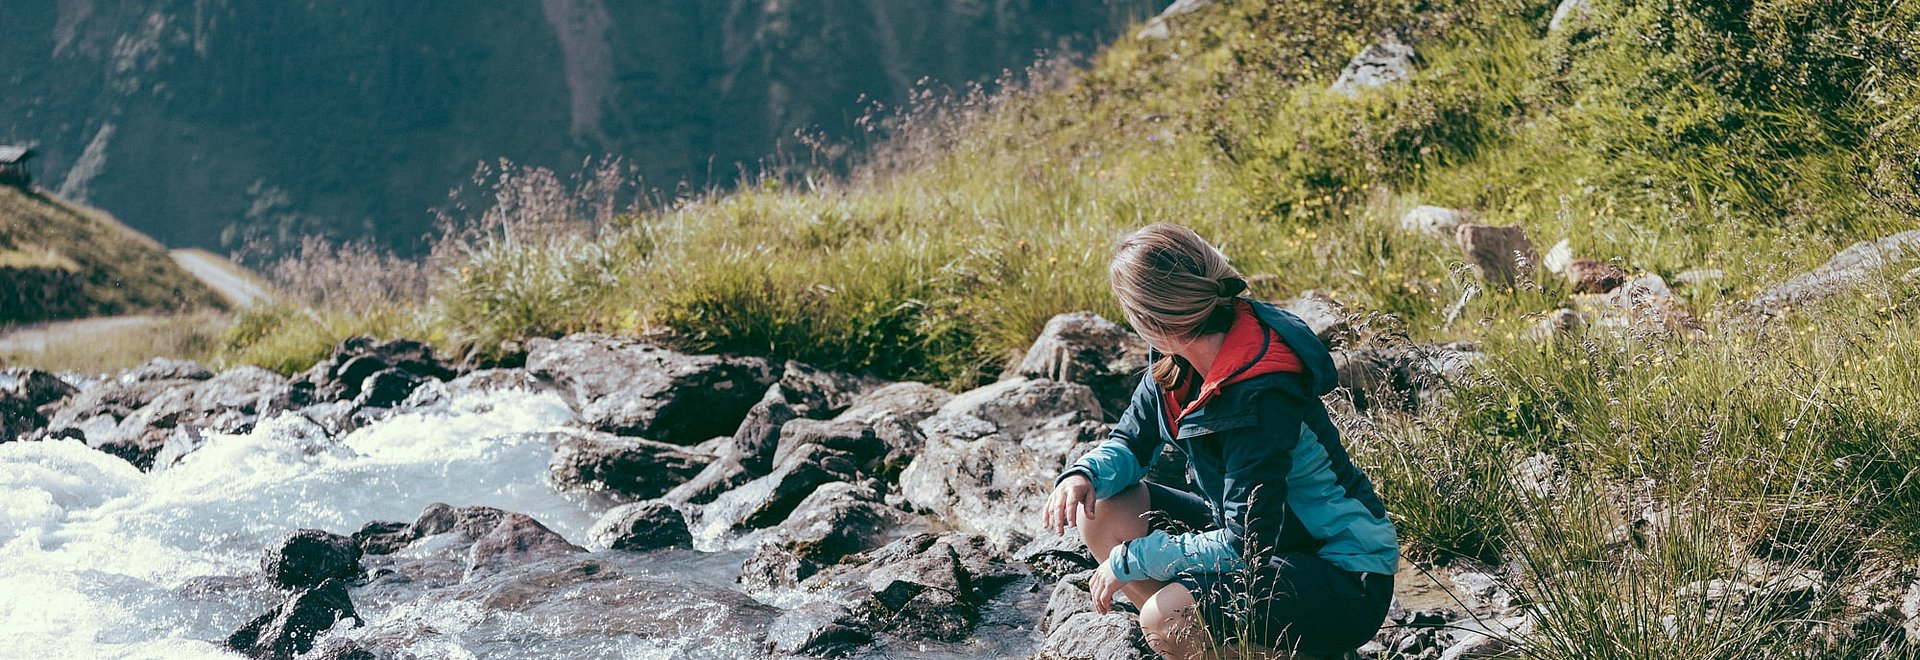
(1129, 451)
(1258, 461)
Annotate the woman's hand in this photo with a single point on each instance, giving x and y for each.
(1104, 585)
(1073, 494)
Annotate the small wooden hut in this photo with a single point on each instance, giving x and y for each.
(14, 166)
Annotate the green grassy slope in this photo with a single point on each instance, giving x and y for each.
(115, 269)
(1756, 137)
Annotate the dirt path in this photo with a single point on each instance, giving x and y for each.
(36, 337)
(239, 287)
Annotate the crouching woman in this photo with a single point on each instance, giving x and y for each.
(1284, 549)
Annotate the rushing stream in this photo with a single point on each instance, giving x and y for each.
(101, 560)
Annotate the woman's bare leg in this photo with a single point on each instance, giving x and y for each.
(1120, 520)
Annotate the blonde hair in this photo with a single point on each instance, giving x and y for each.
(1172, 283)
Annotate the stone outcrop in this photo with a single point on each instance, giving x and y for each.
(633, 467)
(627, 387)
(992, 453)
(1502, 255)
(1083, 348)
(1383, 63)
(1856, 265)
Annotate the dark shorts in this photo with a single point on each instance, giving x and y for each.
(1295, 601)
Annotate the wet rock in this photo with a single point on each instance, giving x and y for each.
(1383, 63)
(641, 526)
(580, 595)
(516, 539)
(289, 630)
(472, 522)
(858, 441)
(816, 393)
(1094, 636)
(230, 402)
(309, 557)
(723, 474)
(1502, 255)
(1594, 276)
(36, 387)
(634, 467)
(1401, 378)
(1858, 264)
(991, 455)
(338, 648)
(920, 587)
(19, 418)
(818, 629)
(754, 443)
(98, 409)
(908, 401)
(1083, 348)
(630, 388)
(1055, 556)
(387, 388)
(343, 374)
(1070, 596)
(1434, 221)
(837, 520)
(767, 500)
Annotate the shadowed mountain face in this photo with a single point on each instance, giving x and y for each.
(194, 118)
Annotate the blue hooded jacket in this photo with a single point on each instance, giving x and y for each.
(1265, 457)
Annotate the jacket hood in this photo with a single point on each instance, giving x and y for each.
(1316, 361)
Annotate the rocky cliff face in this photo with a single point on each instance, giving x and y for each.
(190, 117)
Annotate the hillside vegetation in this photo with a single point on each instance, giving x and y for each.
(60, 260)
(1755, 138)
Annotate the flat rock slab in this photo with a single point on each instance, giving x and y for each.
(628, 387)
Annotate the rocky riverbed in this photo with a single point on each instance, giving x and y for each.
(609, 498)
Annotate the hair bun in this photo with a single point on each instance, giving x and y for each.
(1232, 286)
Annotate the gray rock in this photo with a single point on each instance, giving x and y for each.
(1083, 348)
(630, 388)
(1070, 597)
(637, 468)
(816, 393)
(765, 501)
(1700, 277)
(754, 443)
(817, 629)
(309, 557)
(1093, 636)
(1055, 556)
(343, 373)
(836, 520)
(1327, 318)
(1858, 264)
(858, 441)
(722, 475)
(921, 586)
(909, 401)
(1502, 255)
(1434, 221)
(1910, 611)
(19, 418)
(992, 453)
(387, 388)
(1377, 65)
(230, 402)
(641, 526)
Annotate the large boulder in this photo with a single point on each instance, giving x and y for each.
(758, 437)
(135, 415)
(1502, 255)
(836, 520)
(516, 539)
(309, 557)
(343, 374)
(628, 387)
(858, 441)
(819, 629)
(36, 387)
(1383, 63)
(637, 468)
(722, 475)
(641, 526)
(1095, 636)
(991, 455)
(98, 408)
(1083, 348)
(1856, 265)
(289, 629)
(1055, 556)
(449, 545)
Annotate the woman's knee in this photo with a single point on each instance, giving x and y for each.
(1116, 519)
(1169, 615)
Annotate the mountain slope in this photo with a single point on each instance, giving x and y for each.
(64, 260)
